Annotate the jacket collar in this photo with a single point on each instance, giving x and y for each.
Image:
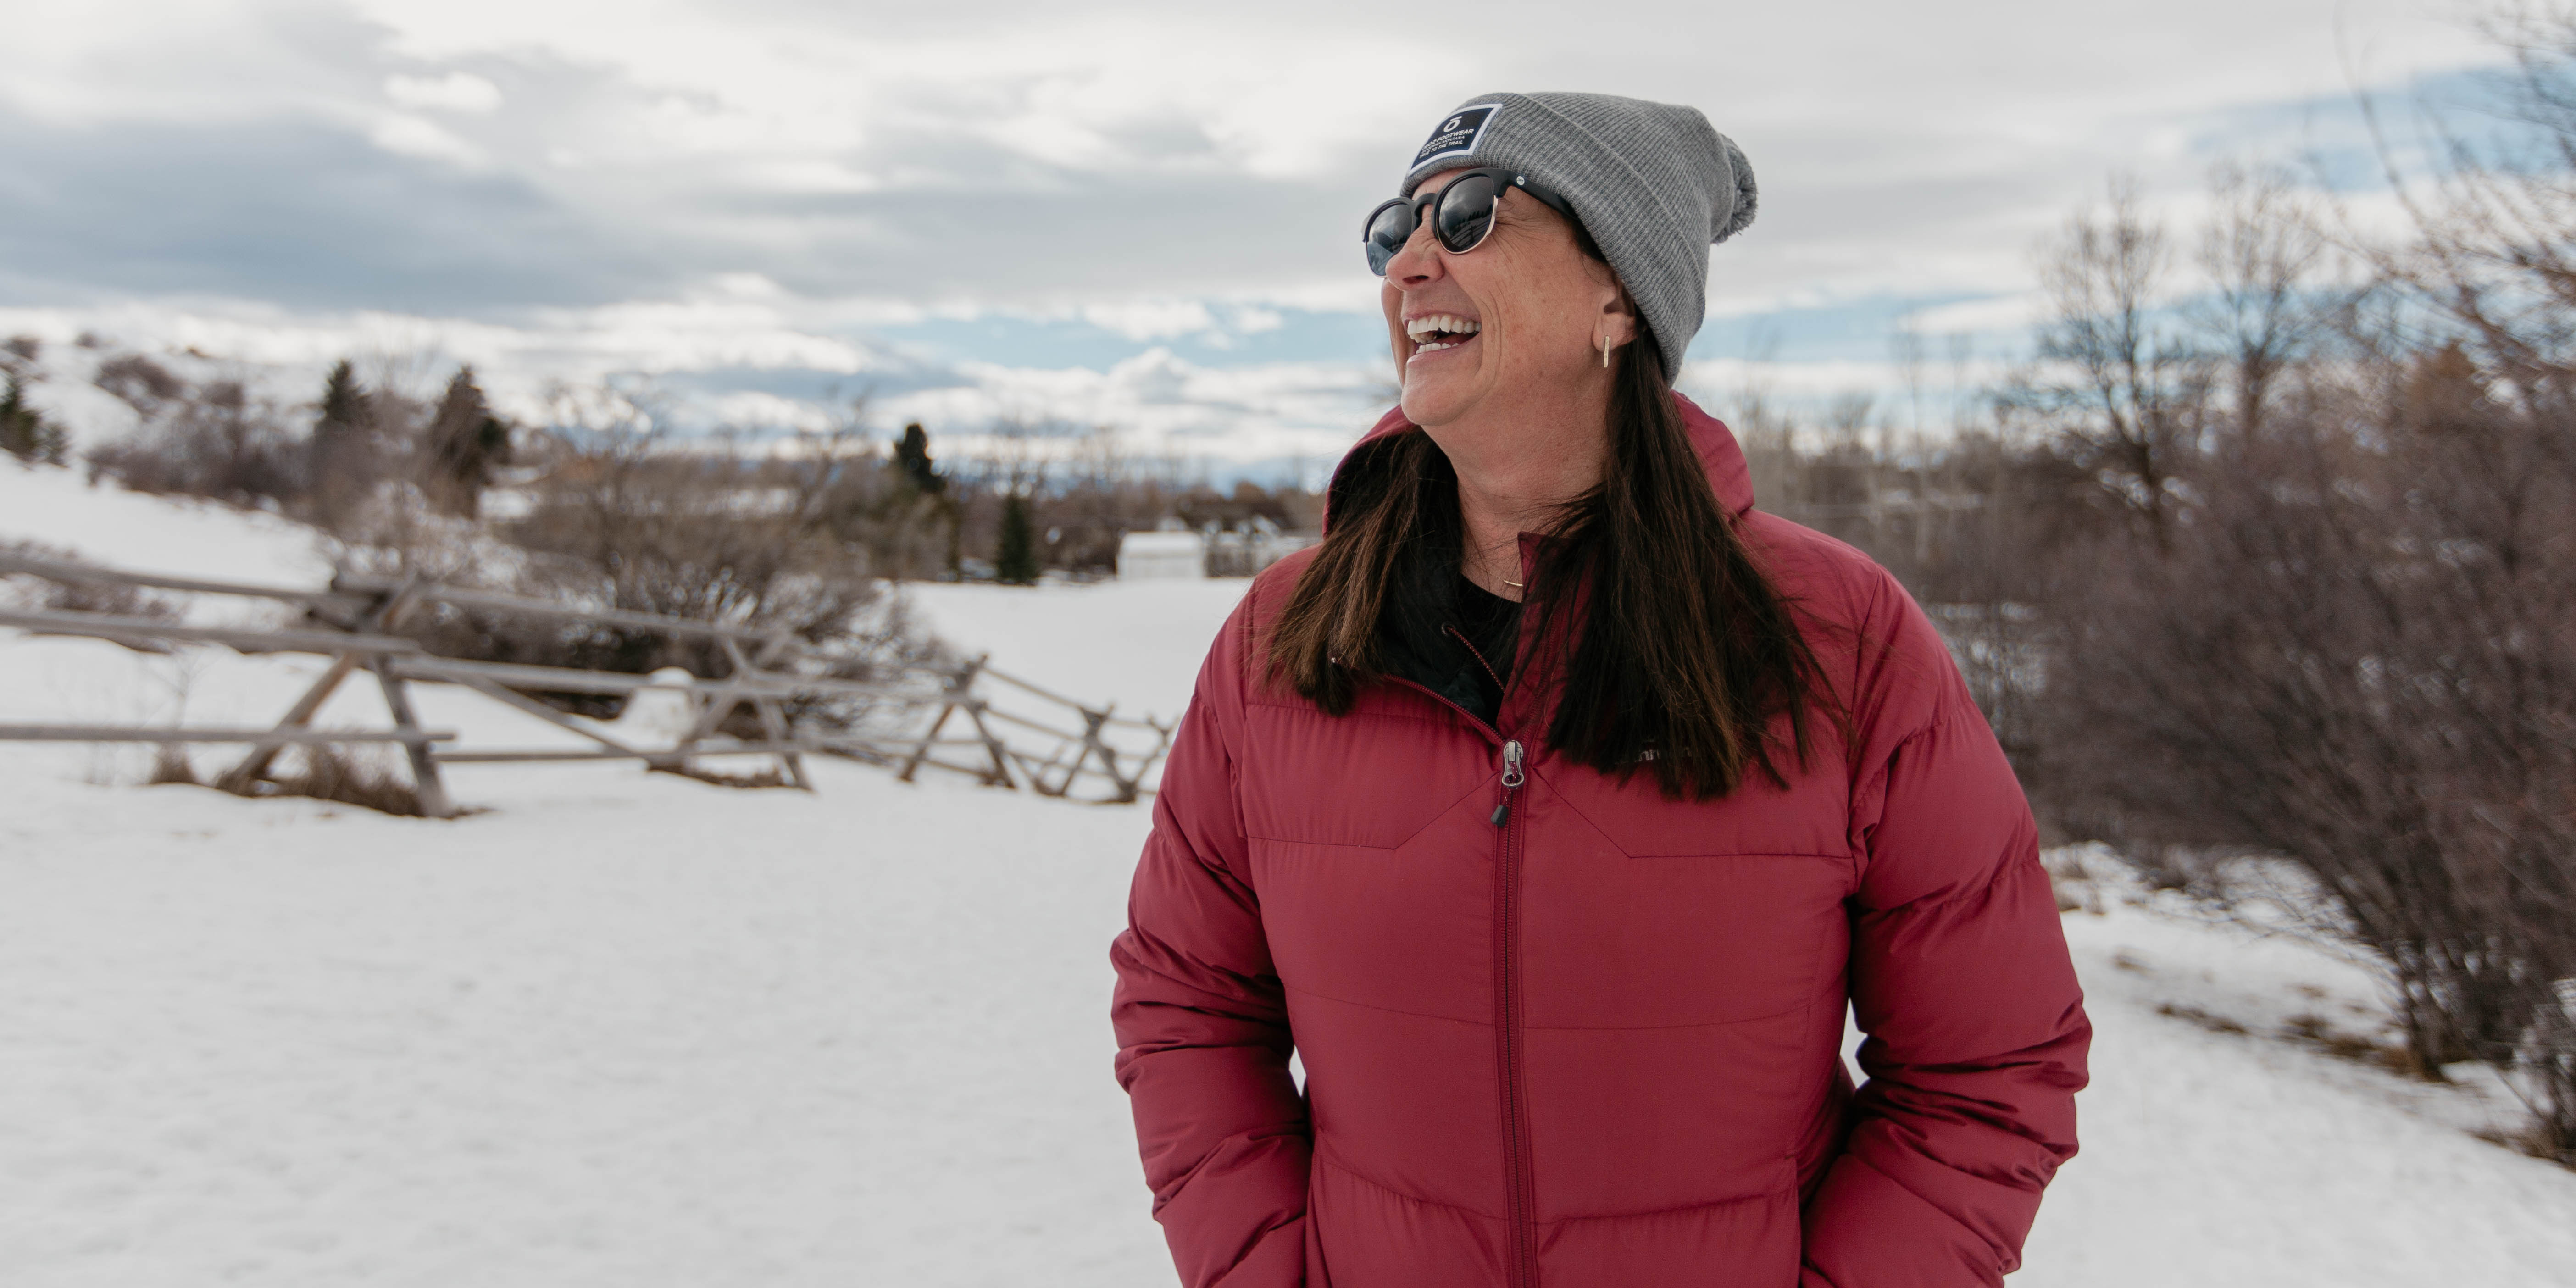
(1719, 455)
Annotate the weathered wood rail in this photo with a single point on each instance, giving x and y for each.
(352, 622)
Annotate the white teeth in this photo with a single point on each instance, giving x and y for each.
(1450, 322)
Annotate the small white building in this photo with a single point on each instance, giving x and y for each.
(1169, 553)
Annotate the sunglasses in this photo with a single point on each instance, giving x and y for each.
(1462, 212)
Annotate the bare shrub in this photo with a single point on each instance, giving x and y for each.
(753, 780)
(76, 596)
(216, 440)
(2218, 1024)
(2287, 573)
(140, 382)
(170, 764)
(2358, 649)
(325, 773)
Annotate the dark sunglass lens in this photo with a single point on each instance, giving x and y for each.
(1388, 230)
(1465, 212)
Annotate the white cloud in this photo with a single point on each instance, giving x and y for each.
(1253, 320)
(454, 92)
(1150, 319)
(1997, 313)
(414, 136)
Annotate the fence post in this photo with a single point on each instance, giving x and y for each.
(425, 782)
(1092, 746)
(384, 616)
(1129, 785)
(1000, 774)
(958, 686)
(772, 721)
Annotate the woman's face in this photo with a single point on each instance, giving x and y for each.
(1516, 322)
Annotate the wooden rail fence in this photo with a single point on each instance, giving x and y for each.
(1040, 739)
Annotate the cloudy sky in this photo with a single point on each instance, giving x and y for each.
(1142, 215)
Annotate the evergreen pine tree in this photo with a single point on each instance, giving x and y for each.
(24, 432)
(912, 455)
(923, 479)
(1016, 563)
(464, 443)
(338, 453)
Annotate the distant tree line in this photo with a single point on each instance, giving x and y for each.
(217, 439)
(365, 460)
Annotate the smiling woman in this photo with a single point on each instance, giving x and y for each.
(1558, 805)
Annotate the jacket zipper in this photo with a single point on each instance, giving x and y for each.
(1524, 1264)
(1522, 1201)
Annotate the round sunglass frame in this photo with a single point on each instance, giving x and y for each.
(1462, 214)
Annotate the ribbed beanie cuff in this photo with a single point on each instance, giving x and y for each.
(1653, 183)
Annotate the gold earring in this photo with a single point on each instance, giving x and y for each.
(1605, 351)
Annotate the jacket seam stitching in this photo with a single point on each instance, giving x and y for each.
(1792, 1188)
(1560, 796)
(1964, 893)
(1254, 981)
(1391, 1010)
(1658, 1028)
(1331, 1158)
(1400, 842)
(1860, 856)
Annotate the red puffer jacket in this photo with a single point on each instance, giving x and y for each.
(1597, 1045)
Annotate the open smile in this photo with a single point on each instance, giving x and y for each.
(1434, 332)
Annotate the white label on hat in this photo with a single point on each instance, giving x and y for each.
(1459, 133)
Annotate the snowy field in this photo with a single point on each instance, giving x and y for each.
(634, 1030)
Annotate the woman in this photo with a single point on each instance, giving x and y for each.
(1552, 809)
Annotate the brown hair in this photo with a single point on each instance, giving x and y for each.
(1684, 651)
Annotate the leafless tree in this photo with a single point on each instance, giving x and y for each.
(2112, 375)
(2262, 251)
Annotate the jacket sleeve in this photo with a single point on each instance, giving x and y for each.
(1960, 978)
(1202, 1021)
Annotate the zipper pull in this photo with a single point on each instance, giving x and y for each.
(1512, 778)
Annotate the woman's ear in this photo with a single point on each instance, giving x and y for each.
(1618, 321)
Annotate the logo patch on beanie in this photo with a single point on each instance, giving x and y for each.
(1459, 133)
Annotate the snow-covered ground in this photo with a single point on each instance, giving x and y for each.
(629, 1029)
(1136, 643)
(107, 524)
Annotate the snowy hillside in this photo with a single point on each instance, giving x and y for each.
(635, 1030)
(107, 524)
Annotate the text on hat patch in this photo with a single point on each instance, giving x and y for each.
(1459, 132)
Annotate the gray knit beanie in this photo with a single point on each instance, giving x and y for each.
(1652, 183)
